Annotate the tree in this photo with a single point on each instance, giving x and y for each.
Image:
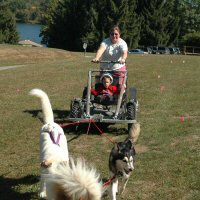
(50, 30)
(192, 39)
(130, 22)
(122, 13)
(72, 22)
(64, 21)
(159, 24)
(28, 11)
(189, 12)
(8, 31)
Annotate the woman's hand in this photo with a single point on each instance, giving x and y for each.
(122, 61)
(95, 60)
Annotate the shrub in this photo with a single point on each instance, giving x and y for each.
(192, 39)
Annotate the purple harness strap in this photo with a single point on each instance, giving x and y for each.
(58, 138)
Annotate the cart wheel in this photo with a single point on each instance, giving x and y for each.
(131, 113)
(75, 110)
(76, 113)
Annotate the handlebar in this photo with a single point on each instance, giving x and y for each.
(107, 62)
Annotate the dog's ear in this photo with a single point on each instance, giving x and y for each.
(119, 147)
(116, 147)
(129, 144)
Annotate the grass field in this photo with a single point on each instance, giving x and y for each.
(168, 150)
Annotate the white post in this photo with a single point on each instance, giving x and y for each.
(84, 47)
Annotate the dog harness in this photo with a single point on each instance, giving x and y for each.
(53, 140)
(109, 181)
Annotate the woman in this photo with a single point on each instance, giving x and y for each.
(115, 49)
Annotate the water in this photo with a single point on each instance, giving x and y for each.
(29, 32)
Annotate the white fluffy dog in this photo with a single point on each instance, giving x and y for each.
(62, 179)
(73, 181)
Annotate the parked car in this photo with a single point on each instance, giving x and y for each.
(154, 50)
(163, 50)
(177, 51)
(147, 50)
(172, 50)
(136, 51)
(150, 50)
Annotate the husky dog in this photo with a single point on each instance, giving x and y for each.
(59, 178)
(121, 160)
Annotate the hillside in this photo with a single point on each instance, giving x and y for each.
(18, 54)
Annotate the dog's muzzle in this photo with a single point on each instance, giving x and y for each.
(128, 171)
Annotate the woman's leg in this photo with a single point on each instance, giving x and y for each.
(120, 74)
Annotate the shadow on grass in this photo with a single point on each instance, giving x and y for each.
(8, 187)
(78, 129)
(60, 115)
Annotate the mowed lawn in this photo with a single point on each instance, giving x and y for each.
(168, 149)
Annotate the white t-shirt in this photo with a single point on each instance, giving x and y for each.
(113, 52)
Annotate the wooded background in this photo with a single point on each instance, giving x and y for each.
(67, 24)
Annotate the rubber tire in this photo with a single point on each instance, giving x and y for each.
(131, 114)
(75, 113)
(131, 111)
(75, 110)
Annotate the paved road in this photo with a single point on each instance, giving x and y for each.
(11, 67)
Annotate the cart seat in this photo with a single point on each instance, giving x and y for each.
(116, 81)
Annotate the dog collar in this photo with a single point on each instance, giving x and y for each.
(53, 140)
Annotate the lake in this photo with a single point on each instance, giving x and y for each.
(29, 32)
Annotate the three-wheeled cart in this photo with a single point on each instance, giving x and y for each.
(122, 109)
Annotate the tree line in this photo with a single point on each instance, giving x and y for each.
(28, 11)
(67, 24)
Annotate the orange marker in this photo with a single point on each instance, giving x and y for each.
(162, 88)
(182, 119)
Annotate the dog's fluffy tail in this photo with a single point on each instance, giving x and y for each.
(75, 181)
(46, 105)
(134, 132)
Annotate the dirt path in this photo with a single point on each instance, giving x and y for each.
(11, 67)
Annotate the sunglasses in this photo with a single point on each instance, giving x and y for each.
(114, 34)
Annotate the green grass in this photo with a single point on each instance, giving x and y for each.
(168, 155)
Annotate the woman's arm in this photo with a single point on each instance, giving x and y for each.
(99, 54)
(124, 56)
